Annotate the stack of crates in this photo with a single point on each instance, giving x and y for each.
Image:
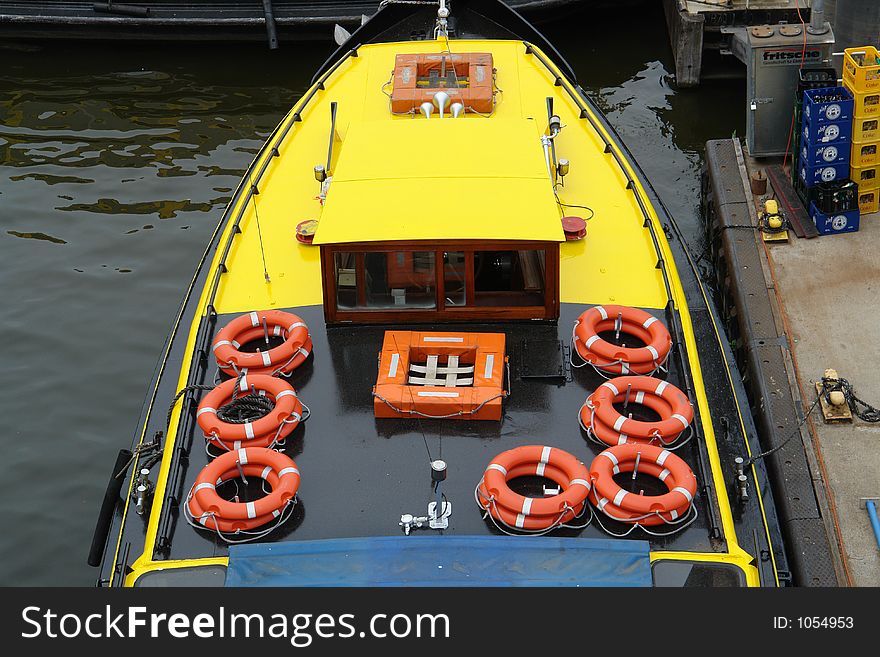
(825, 137)
(808, 78)
(836, 208)
(861, 76)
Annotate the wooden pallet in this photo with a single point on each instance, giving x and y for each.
(790, 204)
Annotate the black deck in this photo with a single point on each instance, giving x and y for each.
(359, 474)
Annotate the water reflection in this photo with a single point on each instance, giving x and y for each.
(112, 177)
(36, 236)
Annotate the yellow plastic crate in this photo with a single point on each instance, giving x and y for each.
(864, 153)
(866, 105)
(861, 68)
(867, 177)
(869, 201)
(865, 130)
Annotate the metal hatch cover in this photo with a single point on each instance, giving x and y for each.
(543, 359)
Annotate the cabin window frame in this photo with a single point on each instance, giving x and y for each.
(441, 312)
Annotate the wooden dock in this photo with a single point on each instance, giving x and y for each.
(197, 21)
(697, 26)
(793, 310)
(747, 296)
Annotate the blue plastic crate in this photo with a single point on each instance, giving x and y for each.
(818, 154)
(829, 132)
(813, 175)
(818, 110)
(835, 223)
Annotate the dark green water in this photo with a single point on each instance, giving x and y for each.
(116, 162)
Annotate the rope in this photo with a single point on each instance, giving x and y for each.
(180, 393)
(438, 417)
(151, 452)
(519, 531)
(866, 413)
(572, 205)
(763, 226)
(214, 439)
(245, 409)
(678, 525)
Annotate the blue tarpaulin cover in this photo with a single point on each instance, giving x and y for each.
(442, 561)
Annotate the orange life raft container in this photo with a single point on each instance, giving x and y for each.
(453, 375)
(417, 77)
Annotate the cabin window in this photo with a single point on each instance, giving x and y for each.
(672, 573)
(454, 278)
(394, 280)
(509, 278)
(447, 282)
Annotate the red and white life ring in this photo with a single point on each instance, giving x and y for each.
(211, 511)
(615, 359)
(602, 419)
(527, 513)
(252, 326)
(629, 507)
(263, 432)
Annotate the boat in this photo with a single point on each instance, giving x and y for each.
(271, 21)
(444, 320)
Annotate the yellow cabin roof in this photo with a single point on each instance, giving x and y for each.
(431, 179)
(410, 178)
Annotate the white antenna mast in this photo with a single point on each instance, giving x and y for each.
(442, 28)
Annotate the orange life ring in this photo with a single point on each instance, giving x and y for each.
(263, 432)
(516, 519)
(666, 430)
(608, 436)
(613, 358)
(282, 359)
(528, 513)
(649, 510)
(213, 512)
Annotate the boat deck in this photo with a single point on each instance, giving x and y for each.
(359, 474)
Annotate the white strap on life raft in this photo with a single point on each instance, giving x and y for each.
(441, 375)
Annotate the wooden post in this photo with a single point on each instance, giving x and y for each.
(686, 37)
